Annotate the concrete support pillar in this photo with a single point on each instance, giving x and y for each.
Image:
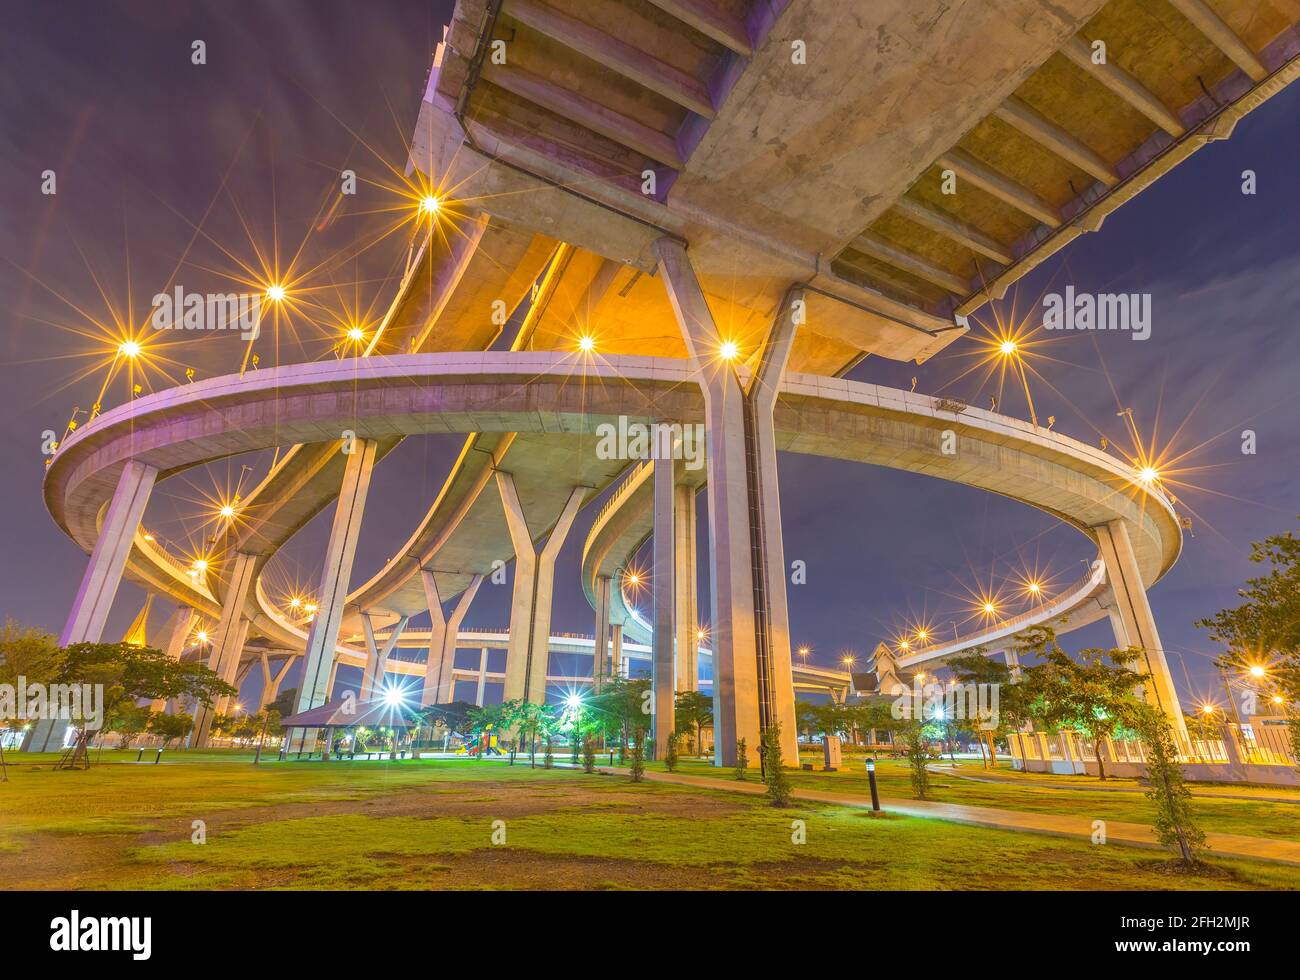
(600, 649)
(530, 608)
(735, 655)
(329, 684)
(372, 678)
(322, 639)
(482, 678)
(177, 635)
(85, 623)
(1013, 664)
(616, 650)
(662, 581)
(685, 610)
(766, 493)
(1134, 623)
(227, 642)
(752, 675)
(439, 684)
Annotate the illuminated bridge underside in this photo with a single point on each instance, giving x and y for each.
(383, 398)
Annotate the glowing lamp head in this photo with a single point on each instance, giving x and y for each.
(1035, 588)
(922, 634)
(429, 204)
(227, 511)
(1207, 709)
(394, 697)
(201, 636)
(1007, 348)
(989, 608)
(1277, 699)
(1148, 475)
(356, 335)
(129, 348)
(904, 646)
(295, 602)
(200, 565)
(633, 579)
(728, 351)
(310, 607)
(573, 702)
(1257, 671)
(275, 292)
(586, 343)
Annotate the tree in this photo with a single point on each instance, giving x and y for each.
(638, 753)
(588, 754)
(917, 745)
(129, 674)
(1266, 627)
(1174, 824)
(694, 710)
(169, 727)
(27, 652)
(620, 708)
(1013, 699)
(742, 760)
(778, 780)
(1092, 693)
(131, 721)
(670, 752)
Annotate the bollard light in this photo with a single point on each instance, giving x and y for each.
(871, 779)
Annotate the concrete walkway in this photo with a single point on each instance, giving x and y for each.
(1054, 825)
(1225, 793)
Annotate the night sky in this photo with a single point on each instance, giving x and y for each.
(149, 148)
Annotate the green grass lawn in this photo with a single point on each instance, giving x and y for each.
(1016, 791)
(430, 824)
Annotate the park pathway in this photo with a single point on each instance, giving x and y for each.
(1055, 825)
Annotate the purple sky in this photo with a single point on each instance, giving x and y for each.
(146, 146)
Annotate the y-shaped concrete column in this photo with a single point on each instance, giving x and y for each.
(443, 633)
(322, 639)
(662, 579)
(177, 632)
(271, 683)
(1133, 621)
(227, 643)
(685, 616)
(600, 649)
(372, 678)
(752, 677)
(530, 609)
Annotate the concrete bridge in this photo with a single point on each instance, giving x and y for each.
(770, 179)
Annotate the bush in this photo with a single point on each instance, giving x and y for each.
(670, 753)
(638, 755)
(778, 781)
(742, 760)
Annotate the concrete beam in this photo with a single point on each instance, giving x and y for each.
(989, 180)
(711, 21)
(617, 55)
(1221, 36)
(945, 224)
(869, 243)
(587, 112)
(322, 638)
(1123, 85)
(1023, 117)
